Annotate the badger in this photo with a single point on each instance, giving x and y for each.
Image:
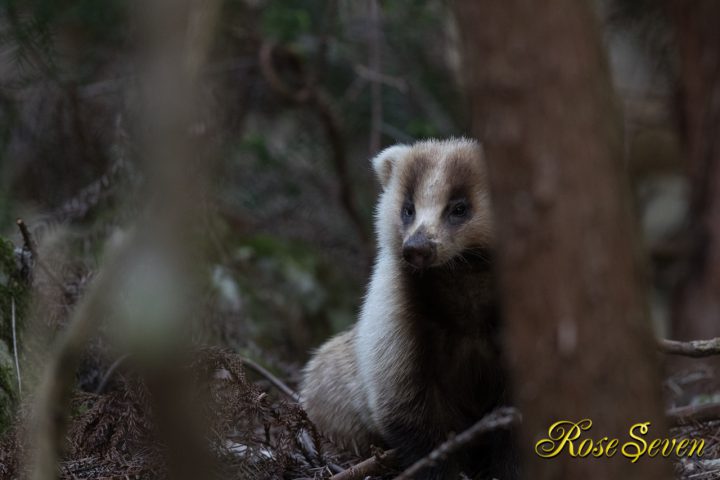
(424, 358)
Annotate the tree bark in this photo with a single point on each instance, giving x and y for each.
(697, 305)
(578, 335)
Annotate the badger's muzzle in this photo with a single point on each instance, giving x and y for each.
(419, 251)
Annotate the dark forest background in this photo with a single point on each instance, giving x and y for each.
(294, 190)
(268, 197)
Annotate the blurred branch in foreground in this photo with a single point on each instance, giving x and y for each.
(146, 287)
(543, 106)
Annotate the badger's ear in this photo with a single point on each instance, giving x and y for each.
(384, 161)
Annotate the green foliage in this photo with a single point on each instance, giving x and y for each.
(8, 393)
(9, 118)
(287, 20)
(421, 128)
(277, 174)
(13, 287)
(39, 27)
(257, 146)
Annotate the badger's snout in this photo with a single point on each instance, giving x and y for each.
(419, 251)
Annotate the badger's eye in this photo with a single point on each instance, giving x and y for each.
(459, 211)
(408, 212)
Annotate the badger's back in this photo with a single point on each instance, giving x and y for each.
(333, 397)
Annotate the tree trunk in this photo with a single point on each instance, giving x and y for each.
(697, 307)
(578, 335)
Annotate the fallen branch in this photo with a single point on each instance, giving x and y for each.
(369, 467)
(279, 384)
(503, 417)
(693, 414)
(694, 348)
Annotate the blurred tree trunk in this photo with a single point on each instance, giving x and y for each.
(578, 333)
(697, 27)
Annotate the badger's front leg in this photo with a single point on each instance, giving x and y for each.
(414, 427)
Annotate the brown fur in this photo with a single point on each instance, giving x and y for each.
(424, 359)
(328, 391)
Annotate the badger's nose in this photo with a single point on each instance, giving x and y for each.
(419, 251)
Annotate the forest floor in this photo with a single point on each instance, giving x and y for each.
(253, 428)
(248, 419)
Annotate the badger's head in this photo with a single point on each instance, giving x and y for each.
(435, 205)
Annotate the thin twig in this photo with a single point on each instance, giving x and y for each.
(369, 467)
(369, 75)
(503, 417)
(108, 375)
(314, 435)
(27, 238)
(15, 348)
(693, 414)
(279, 384)
(694, 348)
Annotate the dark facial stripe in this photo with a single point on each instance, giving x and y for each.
(463, 170)
(413, 174)
(460, 191)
